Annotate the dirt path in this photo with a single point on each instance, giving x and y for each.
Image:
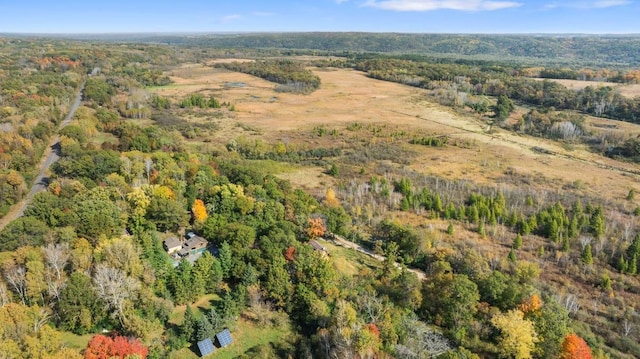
(50, 156)
(340, 241)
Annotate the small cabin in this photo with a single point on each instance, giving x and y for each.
(318, 247)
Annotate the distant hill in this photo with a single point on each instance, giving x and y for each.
(620, 50)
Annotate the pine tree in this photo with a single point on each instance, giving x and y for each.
(623, 265)
(587, 256)
(450, 229)
(633, 265)
(226, 260)
(512, 256)
(572, 231)
(517, 242)
(597, 222)
(189, 325)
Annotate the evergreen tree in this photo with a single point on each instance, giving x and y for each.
(189, 326)
(503, 107)
(481, 230)
(572, 230)
(450, 229)
(512, 256)
(226, 259)
(623, 265)
(587, 256)
(633, 265)
(517, 242)
(597, 222)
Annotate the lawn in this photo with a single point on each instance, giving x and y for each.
(246, 336)
(75, 341)
(202, 305)
(349, 262)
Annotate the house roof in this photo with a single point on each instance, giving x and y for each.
(191, 244)
(317, 246)
(172, 242)
(195, 241)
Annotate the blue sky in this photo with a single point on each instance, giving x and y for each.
(428, 16)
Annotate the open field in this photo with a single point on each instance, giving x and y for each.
(630, 91)
(347, 97)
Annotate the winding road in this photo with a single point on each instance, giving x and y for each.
(50, 156)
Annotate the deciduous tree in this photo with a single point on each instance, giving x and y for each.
(574, 347)
(517, 335)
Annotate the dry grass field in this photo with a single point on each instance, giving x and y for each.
(348, 97)
(625, 90)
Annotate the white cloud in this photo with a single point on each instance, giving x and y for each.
(609, 3)
(230, 18)
(601, 4)
(430, 5)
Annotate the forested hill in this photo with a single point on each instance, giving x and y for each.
(612, 49)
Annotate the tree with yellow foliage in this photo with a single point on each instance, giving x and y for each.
(199, 211)
(330, 199)
(517, 335)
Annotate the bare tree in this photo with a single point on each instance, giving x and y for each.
(4, 294)
(115, 288)
(584, 240)
(148, 165)
(371, 306)
(16, 277)
(627, 327)
(570, 302)
(57, 257)
(422, 341)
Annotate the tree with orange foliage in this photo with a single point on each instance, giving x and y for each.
(103, 347)
(574, 347)
(530, 305)
(316, 228)
(199, 211)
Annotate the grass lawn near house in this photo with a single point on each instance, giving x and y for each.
(203, 304)
(246, 336)
(75, 341)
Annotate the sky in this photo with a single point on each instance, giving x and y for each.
(412, 16)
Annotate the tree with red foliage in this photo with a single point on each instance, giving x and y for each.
(290, 253)
(373, 328)
(103, 347)
(574, 347)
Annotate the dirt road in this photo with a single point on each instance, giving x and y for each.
(50, 156)
(340, 241)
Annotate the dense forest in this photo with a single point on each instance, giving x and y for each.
(518, 270)
(620, 50)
